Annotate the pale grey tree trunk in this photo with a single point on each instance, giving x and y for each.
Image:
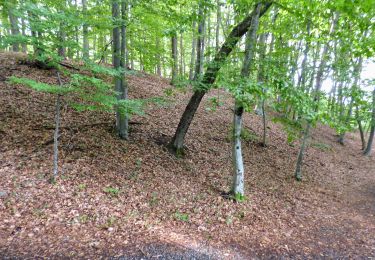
(192, 57)
(239, 173)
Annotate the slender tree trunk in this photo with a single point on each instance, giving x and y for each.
(318, 86)
(192, 57)
(218, 22)
(200, 44)
(238, 176)
(302, 77)
(62, 35)
(182, 61)
(120, 84)
(123, 124)
(23, 28)
(298, 172)
(158, 57)
(174, 58)
(14, 28)
(360, 128)
(177, 142)
(372, 131)
(85, 31)
(357, 76)
(56, 134)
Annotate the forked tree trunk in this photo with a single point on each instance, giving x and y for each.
(177, 142)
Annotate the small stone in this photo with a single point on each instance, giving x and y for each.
(3, 194)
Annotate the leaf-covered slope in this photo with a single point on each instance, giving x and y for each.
(114, 194)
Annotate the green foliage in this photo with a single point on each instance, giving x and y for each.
(112, 191)
(238, 197)
(181, 216)
(322, 146)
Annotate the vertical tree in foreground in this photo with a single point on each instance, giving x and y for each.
(238, 176)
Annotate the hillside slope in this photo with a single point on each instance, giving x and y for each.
(122, 198)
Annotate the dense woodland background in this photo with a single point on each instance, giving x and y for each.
(264, 71)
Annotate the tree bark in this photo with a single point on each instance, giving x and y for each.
(238, 175)
(372, 131)
(318, 86)
(56, 134)
(14, 28)
(177, 142)
(218, 22)
(192, 57)
(85, 32)
(117, 55)
(200, 43)
(174, 58)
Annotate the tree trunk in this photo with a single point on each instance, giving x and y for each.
(192, 57)
(200, 44)
(14, 27)
(360, 128)
(174, 58)
(238, 176)
(357, 76)
(119, 82)
(218, 22)
(85, 32)
(56, 134)
(123, 117)
(62, 35)
(298, 172)
(239, 171)
(372, 131)
(158, 57)
(318, 86)
(177, 142)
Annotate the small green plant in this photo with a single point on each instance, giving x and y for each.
(181, 216)
(84, 218)
(154, 199)
(322, 146)
(246, 135)
(214, 103)
(82, 186)
(239, 197)
(112, 191)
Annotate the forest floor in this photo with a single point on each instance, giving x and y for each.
(133, 199)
